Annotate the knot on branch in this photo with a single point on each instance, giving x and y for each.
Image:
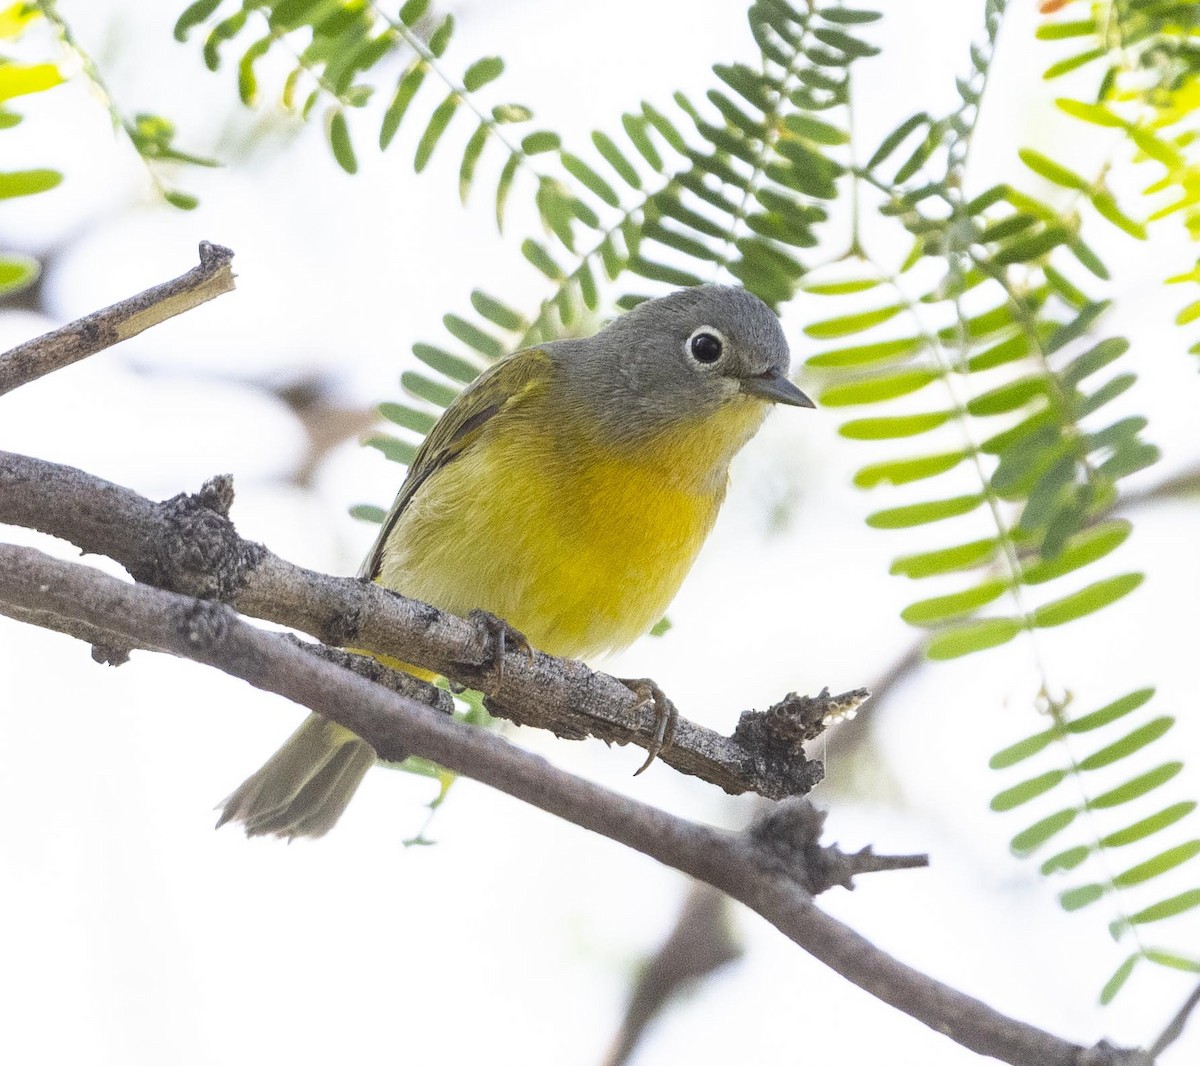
(774, 739)
(204, 625)
(199, 553)
(789, 837)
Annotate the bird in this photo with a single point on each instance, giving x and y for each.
(565, 493)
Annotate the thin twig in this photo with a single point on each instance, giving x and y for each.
(747, 866)
(1174, 1028)
(87, 336)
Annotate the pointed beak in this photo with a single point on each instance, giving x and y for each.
(775, 388)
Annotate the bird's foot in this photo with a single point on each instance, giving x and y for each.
(665, 715)
(499, 637)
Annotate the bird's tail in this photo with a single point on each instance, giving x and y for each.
(303, 788)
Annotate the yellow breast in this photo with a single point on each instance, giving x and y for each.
(581, 547)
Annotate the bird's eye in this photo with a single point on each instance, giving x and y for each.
(705, 346)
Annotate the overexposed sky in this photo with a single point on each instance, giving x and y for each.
(514, 939)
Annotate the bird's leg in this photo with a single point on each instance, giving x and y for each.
(665, 715)
(499, 636)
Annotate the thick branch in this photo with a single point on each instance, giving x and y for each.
(761, 868)
(103, 329)
(187, 545)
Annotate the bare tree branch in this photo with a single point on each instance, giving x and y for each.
(699, 945)
(1174, 1028)
(767, 869)
(188, 545)
(87, 336)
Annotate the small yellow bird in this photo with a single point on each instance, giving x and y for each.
(567, 491)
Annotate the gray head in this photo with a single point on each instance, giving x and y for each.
(679, 358)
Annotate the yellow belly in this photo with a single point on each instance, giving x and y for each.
(581, 552)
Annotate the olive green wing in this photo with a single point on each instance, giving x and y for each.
(495, 391)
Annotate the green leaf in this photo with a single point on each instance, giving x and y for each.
(367, 512)
(27, 182)
(339, 140)
(1086, 601)
(1136, 787)
(939, 609)
(540, 258)
(1114, 984)
(504, 187)
(1077, 898)
(918, 514)
(612, 155)
(660, 627)
(1052, 171)
(876, 389)
(1065, 66)
(856, 323)
(438, 122)
(1097, 114)
(814, 129)
(182, 200)
(470, 159)
(540, 141)
(1111, 712)
(947, 560)
(843, 42)
(408, 417)
(1007, 351)
(902, 471)
(1010, 397)
(406, 88)
(973, 636)
(1168, 908)
(1175, 962)
(1029, 840)
(18, 79)
(847, 16)
(866, 354)
(506, 113)
(894, 427)
(1160, 864)
(1055, 31)
(1084, 548)
(1106, 205)
(1024, 749)
(1065, 860)
(413, 11)
(481, 72)
(398, 451)
(1127, 745)
(497, 313)
(587, 177)
(439, 40)
(1092, 360)
(1148, 826)
(17, 272)
(1027, 790)
(473, 337)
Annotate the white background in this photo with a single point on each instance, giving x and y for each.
(131, 933)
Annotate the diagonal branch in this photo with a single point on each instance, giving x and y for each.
(188, 545)
(769, 868)
(102, 329)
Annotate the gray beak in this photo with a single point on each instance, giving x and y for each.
(775, 388)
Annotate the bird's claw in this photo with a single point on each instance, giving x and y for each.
(499, 636)
(666, 716)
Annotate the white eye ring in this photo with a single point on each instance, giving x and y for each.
(706, 346)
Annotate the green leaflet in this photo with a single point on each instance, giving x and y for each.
(902, 471)
(940, 609)
(957, 640)
(1086, 601)
(920, 513)
(847, 324)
